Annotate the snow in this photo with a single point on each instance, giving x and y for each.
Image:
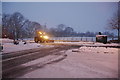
(101, 35)
(86, 62)
(45, 60)
(81, 42)
(83, 62)
(5, 40)
(89, 43)
(8, 46)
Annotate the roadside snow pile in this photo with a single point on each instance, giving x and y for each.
(98, 50)
(85, 63)
(112, 44)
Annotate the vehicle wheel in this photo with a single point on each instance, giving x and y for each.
(41, 41)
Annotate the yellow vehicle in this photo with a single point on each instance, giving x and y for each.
(41, 37)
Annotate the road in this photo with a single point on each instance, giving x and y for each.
(11, 63)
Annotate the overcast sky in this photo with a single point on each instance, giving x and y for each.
(82, 16)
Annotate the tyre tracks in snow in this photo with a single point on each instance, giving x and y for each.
(12, 62)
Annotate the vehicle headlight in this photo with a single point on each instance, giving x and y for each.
(46, 37)
(41, 36)
(40, 32)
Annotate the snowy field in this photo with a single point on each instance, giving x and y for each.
(85, 62)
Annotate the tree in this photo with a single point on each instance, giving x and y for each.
(53, 31)
(17, 26)
(68, 31)
(14, 23)
(18, 21)
(114, 25)
(36, 26)
(28, 29)
(61, 27)
(60, 30)
(6, 26)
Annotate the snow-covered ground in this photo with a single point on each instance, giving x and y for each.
(8, 46)
(84, 43)
(85, 62)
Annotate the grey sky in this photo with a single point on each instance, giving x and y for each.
(82, 16)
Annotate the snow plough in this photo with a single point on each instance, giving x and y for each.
(42, 37)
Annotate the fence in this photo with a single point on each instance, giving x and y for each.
(93, 39)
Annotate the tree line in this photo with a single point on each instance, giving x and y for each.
(16, 26)
(65, 31)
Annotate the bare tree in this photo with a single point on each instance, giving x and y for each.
(61, 27)
(18, 21)
(31, 28)
(19, 27)
(14, 23)
(68, 31)
(6, 26)
(114, 25)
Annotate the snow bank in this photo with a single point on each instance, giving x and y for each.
(112, 44)
(89, 43)
(98, 50)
